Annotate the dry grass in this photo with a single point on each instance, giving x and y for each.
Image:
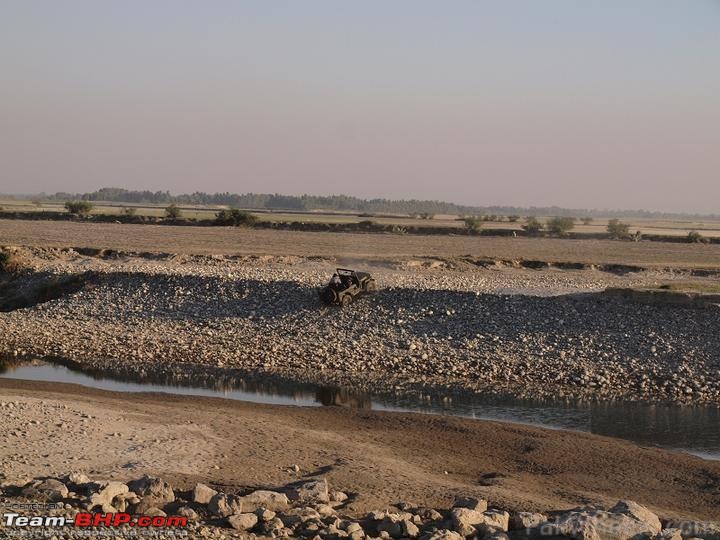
(221, 240)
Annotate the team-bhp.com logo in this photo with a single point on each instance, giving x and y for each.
(93, 519)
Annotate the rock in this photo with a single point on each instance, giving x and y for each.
(264, 514)
(600, 525)
(154, 492)
(313, 491)
(187, 512)
(325, 510)
(338, 496)
(243, 522)
(670, 534)
(53, 490)
(76, 479)
(462, 518)
(696, 529)
(223, 505)
(634, 510)
(272, 500)
(497, 519)
(391, 525)
(104, 494)
(526, 520)
(202, 494)
(154, 512)
(409, 529)
(479, 505)
(443, 534)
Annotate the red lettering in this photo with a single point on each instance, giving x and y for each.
(83, 519)
(144, 521)
(103, 519)
(121, 519)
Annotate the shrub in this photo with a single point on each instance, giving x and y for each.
(9, 262)
(173, 211)
(367, 223)
(513, 218)
(473, 223)
(532, 225)
(617, 229)
(560, 225)
(79, 208)
(235, 217)
(128, 211)
(427, 215)
(587, 220)
(694, 237)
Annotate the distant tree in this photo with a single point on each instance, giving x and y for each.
(473, 223)
(79, 208)
(617, 229)
(560, 225)
(587, 220)
(173, 211)
(128, 211)
(694, 237)
(532, 225)
(513, 218)
(427, 215)
(235, 217)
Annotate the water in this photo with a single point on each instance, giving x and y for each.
(693, 429)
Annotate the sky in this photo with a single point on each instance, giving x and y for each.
(581, 104)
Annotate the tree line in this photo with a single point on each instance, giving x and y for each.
(276, 201)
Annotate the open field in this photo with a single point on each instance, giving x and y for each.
(674, 227)
(217, 240)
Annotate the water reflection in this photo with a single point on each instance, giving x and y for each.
(694, 429)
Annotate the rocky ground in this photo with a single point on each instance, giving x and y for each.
(435, 326)
(310, 509)
(334, 473)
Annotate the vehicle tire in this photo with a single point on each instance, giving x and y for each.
(371, 286)
(346, 300)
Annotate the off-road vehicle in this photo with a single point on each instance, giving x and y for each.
(345, 286)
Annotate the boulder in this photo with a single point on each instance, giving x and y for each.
(601, 525)
(153, 511)
(223, 505)
(154, 492)
(103, 493)
(202, 494)
(479, 505)
(638, 512)
(497, 519)
(462, 518)
(271, 500)
(409, 529)
(51, 490)
(264, 514)
(243, 522)
(526, 520)
(312, 491)
(696, 529)
(187, 512)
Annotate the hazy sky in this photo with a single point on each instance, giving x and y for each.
(605, 103)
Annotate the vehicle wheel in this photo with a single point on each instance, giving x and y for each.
(346, 300)
(371, 286)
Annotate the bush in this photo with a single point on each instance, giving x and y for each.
(235, 217)
(173, 212)
(514, 218)
(129, 211)
(9, 262)
(79, 208)
(427, 215)
(560, 225)
(532, 225)
(695, 237)
(617, 229)
(586, 220)
(473, 223)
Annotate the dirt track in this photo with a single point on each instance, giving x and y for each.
(215, 240)
(381, 457)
